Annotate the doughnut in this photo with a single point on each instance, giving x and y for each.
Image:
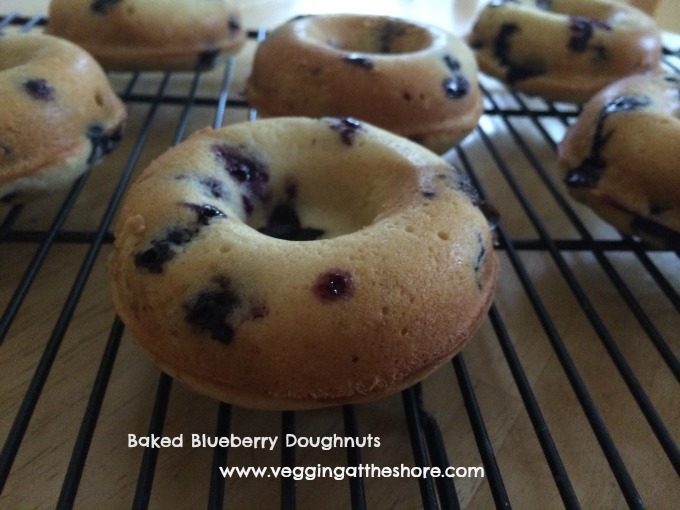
(621, 157)
(563, 50)
(296, 263)
(59, 115)
(414, 80)
(147, 35)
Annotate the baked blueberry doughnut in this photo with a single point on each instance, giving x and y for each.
(138, 35)
(621, 157)
(564, 50)
(414, 80)
(294, 263)
(59, 115)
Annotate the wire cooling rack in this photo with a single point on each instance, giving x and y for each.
(567, 396)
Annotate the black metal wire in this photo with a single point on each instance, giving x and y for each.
(76, 465)
(288, 491)
(356, 484)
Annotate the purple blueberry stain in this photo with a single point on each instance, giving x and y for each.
(334, 285)
(40, 89)
(211, 310)
(348, 128)
(243, 169)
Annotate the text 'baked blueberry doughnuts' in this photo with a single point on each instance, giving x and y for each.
(622, 157)
(564, 50)
(294, 263)
(137, 35)
(415, 80)
(59, 115)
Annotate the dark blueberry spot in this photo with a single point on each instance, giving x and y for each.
(233, 23)
(407, 96)
(452, 63)
(300, 16)
(205, 213)
(163, 250)
(428, 193)
(39, 89)
(481, 254)
(625, 104)
(214, 187)
(103, 6)
(243, 169)
(210, 311)
(206, 59)
(103, 142)
(333, 285)
(355, 358)
(516, 71)
(284, 223)
(359, 61)
(582, 30)
(589, 172)
(456, 87)
(347, 127)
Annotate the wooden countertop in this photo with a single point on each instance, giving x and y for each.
(576, 324)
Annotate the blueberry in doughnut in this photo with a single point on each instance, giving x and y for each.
(294, 263)
(621, 157)
(59, 115)
(415, 80)
(138, 35)
(564, 50)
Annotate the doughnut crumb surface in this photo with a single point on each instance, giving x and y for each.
(564, 50)
(59, 115)
(414, 80)
(273, 265)
(148, 35)
(621, 157)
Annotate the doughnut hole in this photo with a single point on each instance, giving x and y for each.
(329, 201)
(359, 34)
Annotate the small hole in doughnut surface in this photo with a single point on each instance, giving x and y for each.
(372, 35)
